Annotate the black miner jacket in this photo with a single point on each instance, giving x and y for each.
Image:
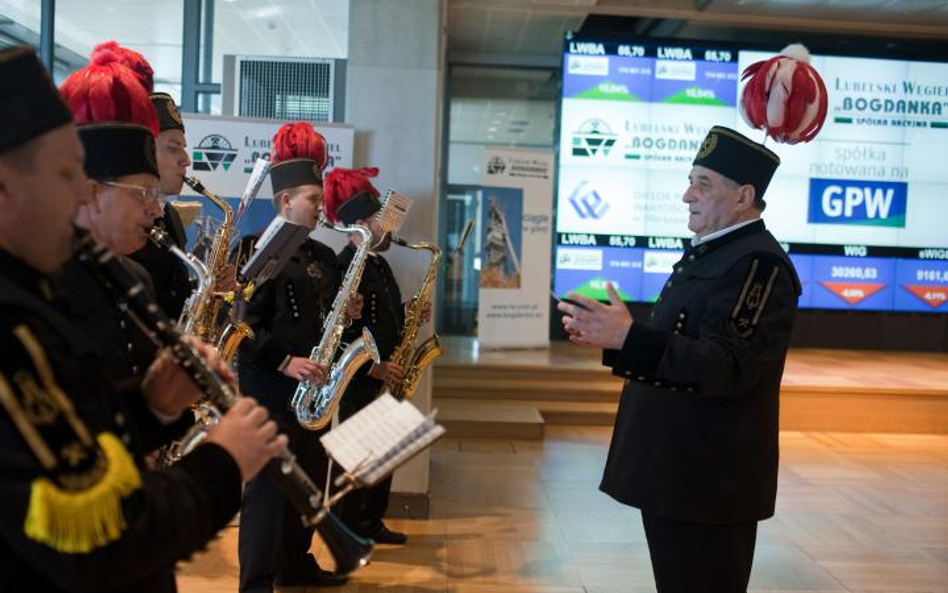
(697, 428)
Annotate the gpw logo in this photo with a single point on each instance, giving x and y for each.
(587, 202)
(849, 201)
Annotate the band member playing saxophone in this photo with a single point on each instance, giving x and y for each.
(352, 199)
(286, 315)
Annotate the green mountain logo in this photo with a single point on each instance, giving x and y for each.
(212, 152)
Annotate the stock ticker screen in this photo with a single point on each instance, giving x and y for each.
(862, 210)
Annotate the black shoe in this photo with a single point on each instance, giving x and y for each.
(384, 535)
(316, 577)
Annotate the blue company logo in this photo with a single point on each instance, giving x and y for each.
(851, 201)
(587, 202)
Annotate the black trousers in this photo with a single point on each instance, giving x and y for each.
(698, 557)
(272, 541)
(362, 510)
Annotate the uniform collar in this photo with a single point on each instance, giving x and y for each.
(716, 234)
(724, 236)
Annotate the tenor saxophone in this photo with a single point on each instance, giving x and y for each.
(414, 360)
(315, 402)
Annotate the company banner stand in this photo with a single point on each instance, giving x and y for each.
(515, 235)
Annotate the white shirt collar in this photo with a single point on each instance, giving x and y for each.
(696, 240)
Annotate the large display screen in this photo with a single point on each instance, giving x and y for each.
(862, 210)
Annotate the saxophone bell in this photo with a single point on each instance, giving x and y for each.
(315, 403)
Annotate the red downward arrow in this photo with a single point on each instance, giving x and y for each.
(853, 292)
(935, 296)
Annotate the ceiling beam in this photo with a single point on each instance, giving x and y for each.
(621, 8)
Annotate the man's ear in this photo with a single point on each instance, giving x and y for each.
(95, 192)
(745, 197)
(284, 200)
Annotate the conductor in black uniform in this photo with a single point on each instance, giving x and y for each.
(286, 314)
(695, 445)
(78, 512)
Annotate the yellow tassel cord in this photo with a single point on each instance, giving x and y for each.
(79, 522)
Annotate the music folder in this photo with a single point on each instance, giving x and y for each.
(273, 249)
(379, 438)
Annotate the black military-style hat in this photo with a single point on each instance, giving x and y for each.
(169, 118)
(738, 158)
(295, 172)
(359, 207)
(114, 149)
(30, 105)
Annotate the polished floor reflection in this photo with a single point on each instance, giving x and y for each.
(855, 513)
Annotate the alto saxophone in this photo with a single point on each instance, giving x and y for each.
(194, 308)
(414, 360)
(206, 322)
(315, 403)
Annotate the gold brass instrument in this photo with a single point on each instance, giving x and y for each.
(233, 334)
(204, 323)
(414, 360)
(315, 403)
(235, 331)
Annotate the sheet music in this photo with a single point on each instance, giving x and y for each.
(394, 211)
(379, 438)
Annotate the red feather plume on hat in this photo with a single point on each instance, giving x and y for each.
(299, 140)
(107, 91)
(131, 59)
(341, 184)
(785, 96)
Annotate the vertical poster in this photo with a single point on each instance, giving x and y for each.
(501, 221)
(515, 237)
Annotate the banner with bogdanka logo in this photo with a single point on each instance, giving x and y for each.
(515, 235)
(223, 151)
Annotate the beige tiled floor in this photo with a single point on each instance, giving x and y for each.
(857, 513)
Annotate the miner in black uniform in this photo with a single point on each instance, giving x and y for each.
(117, 129)
(77, 510)
(286, 314)
(169, 274)
(171, 279)
(696, 435)
(352, 199)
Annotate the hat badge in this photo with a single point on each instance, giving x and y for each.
(173, 112)
(707, 147)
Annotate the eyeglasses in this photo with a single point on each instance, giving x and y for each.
(148, 195)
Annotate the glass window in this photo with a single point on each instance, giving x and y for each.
(488, 106)
(153, 28)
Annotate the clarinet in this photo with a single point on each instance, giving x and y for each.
(349, 550)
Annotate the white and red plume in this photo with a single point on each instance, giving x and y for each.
(785, 96)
